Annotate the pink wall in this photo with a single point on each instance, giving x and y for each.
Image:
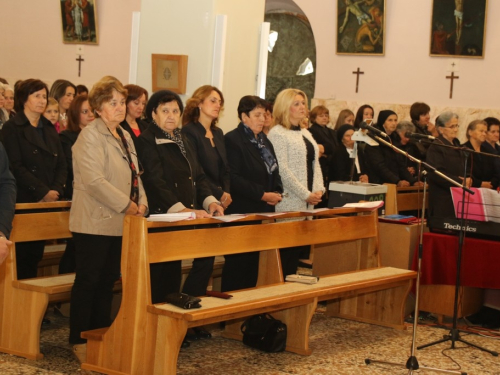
(31, 45)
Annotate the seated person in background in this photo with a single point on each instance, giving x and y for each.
(483, 171)
(4, 115)
(448, 161)
(491, 144)
(326, 140)
(342, 163)
(406, 144)
(364, 112)
(420, 117)
(9, 101)
(383, 164)
(255, 184)
(345, 117)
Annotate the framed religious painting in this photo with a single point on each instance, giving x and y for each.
(79, 21)
(360, 27)
(169, 72)
(458, 28)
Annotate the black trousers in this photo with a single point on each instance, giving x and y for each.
(199, 276)
(165, 279)
(290, 259)
(97, 268)
(240, 271)
(67, 264)
(28, 254)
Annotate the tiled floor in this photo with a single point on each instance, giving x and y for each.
(339, 347)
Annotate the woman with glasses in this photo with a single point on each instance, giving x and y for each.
(106, 187)
(448, 161)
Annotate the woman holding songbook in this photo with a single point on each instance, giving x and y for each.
(298, 158)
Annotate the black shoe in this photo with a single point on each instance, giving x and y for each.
(185, 344)
(202, 333)
(46, 322)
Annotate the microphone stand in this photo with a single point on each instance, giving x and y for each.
(412, 362)
(454, 334)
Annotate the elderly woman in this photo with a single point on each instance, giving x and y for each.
(448, 161)
(64, 92)
(406, 144)
(37, 162)
(298, 155)
(106, 188)
(326, 140)
(9, 101)
(199, 125)
(342, 165)
(255, 183)
(174, 182)
(137, 99)
(483, 166)
(383, 164)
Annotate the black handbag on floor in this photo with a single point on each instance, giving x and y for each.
(265, 333)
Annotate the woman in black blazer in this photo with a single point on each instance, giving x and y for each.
(199, 127)
(255, 183)
(37, 162)
(137, 98)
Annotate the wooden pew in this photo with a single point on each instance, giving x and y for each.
(146, 338)
(400, 199)
(24, 302)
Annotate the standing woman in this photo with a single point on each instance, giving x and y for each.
(297, 154)
(37, 162)
(64, 92)
(199, 125)
(106, 188)
(255, 183)
(137, 99)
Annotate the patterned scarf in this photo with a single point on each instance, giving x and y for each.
(134, 191)
(177, 138)
(265, 154)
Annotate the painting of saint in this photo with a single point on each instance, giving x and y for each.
(79, 21)
(360, 27)
(458, 28)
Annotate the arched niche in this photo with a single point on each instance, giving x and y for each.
(292, 59)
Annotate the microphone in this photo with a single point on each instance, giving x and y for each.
(419, 136)
(364, 125)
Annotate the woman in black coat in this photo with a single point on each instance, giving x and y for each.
(37, 162)
(255, 184)
(448, 161)
(199, 125)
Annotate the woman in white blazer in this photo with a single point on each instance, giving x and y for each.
(298, 159)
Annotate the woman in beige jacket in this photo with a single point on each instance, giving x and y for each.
(106, 187)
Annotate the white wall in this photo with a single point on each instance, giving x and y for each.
(406, 73)
(173, 27)
(32, 47)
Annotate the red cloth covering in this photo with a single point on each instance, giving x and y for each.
(480, 261)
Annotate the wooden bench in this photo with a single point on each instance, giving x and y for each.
(146, 338)
(24, 302)
(401, 199)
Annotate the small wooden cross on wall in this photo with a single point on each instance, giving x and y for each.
(357, 72)
(79, 59)
(452, 78)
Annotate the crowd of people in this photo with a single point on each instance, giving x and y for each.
(115, 151)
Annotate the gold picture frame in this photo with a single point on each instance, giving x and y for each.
(361, 27)
(169, 72)
(79, 22)
(458, 28)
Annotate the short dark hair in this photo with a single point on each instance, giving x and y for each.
(25, 89)
(135, 92)
(492, 121)
(418, 109)
(82, 89)
(159, 98)
(58, 88)
(248, 103)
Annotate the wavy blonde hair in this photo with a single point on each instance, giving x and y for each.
(282, 104)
